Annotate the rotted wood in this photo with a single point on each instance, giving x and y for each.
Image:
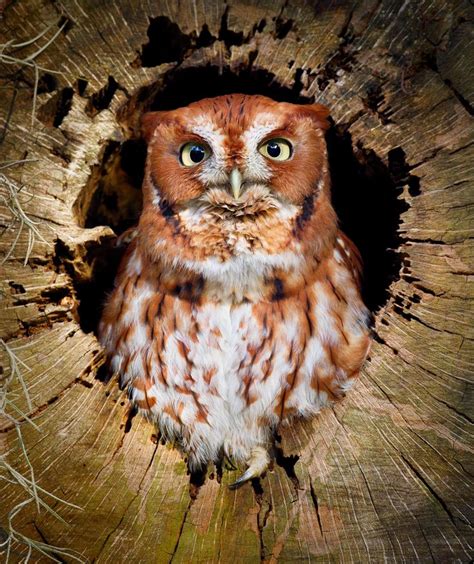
(384, 475)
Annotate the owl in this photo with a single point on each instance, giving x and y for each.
(237, 305)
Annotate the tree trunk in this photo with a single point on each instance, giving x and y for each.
(383, 475)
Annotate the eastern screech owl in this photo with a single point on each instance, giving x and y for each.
(237, 303)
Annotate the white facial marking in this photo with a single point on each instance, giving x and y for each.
(212, 171)
(257, 167)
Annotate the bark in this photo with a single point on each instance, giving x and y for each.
(384, 475)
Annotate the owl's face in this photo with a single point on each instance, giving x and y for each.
(275, 145)
(234, 176)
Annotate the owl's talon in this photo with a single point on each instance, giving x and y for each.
(246, 476)
(257, 464)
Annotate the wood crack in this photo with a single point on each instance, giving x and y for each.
(265, 508)
(433, 493)
(464, 103)
(410, 316)
(314, 499)
(181, 528)
(433, 154)
(45, 405)
(46, 541)
(464, 416)
(458, 149)
(45, 320)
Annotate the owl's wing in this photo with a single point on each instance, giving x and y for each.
(352, 256)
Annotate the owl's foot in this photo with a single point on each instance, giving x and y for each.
(257, 464)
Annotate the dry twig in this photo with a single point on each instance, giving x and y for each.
(10, 474)
(8, 57)
(19, 219)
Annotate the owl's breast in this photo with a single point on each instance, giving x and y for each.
(214, 352)
(221, 373)
(267, 360)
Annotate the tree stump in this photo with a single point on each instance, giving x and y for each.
(382, 476)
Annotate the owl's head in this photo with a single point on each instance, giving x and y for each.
(236, 177)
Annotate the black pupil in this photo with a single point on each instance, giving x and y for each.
(196, 154)
(273, 149)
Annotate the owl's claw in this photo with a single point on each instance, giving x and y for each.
(229, 465)
(257, 464)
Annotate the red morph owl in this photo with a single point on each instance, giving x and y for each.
(237, 304)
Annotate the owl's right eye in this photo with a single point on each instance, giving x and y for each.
(193, 153)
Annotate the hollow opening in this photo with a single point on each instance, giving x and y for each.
(365, 190)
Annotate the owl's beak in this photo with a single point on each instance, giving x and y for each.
(236, 182)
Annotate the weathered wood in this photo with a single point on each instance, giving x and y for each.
(386, 474)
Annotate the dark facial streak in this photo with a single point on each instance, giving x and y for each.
(307, 208)
(306, 212)
(166, 208)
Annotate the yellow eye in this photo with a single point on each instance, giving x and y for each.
(276, 149)
(193, 153)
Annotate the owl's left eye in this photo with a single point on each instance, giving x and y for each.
(276, 149)
(193, 153)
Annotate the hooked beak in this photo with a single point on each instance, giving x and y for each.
(236, 182)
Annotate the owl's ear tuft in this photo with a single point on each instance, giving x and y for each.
(149, 123)
(318, 113)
